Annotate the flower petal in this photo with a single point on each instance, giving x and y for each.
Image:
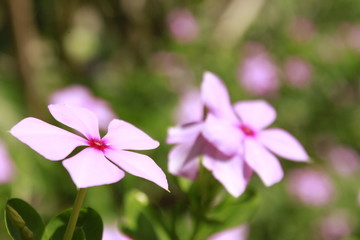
(238, 233)
(51, 142)
(231, 174)
(139, 165)
(222, 134)
(215, 96)
(283, 144)
(90, 168)
(78, 118)
(265, 164)
(183, 160)
(123, 135)
(184, 133)
(256, 113)
(7, 167)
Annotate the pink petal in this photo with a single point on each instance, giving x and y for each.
(90, 168)
(123, 135)
(236, 233)
(184, 159)
(81, 96)
(78, 118)
(222, 134)
(215, 96)
(139, 165)
(230, 173)
(257, 113)
(182, 134)
(190, 108)
(6, 165)
(283, 144)
(265, 164)
(51, 142)
(112, 233)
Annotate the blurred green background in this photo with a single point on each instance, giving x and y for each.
(142, 56)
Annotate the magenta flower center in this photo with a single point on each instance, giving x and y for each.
(98, 144)
(247, 130)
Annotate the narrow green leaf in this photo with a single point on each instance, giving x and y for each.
(22, 221)
(89, 226)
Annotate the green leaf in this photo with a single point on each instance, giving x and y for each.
(22, 221)
(134, 204)
(231, 212)
(88, 227)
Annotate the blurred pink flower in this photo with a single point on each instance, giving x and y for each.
(172, 66)
(237, 233)
(190, 108)
(344, 160)
(297, 72)
(112, 233)
(301, 29)
(81, 96)
(337, 225)
(231, 171)
(352, 36)
(182, 25)
(310, 186)
(239, 131)
(104, 159)
(258, 74)
(6, 165)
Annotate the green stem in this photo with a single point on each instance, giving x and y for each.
(75, 214)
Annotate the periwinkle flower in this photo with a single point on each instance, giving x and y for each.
(232, 141)
(302, 29)
(297, 72)
(240, 131)
(81, 96)
(310, 186)
(258, 74)
(336, 225)
(352, 36)
(183, 25)
(6, 165)
(344, 160)
(103, 160)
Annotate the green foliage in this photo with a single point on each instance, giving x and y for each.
(89, 226)
(22, 221)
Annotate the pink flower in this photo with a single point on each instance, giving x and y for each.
(258, 74)
(297, 72)
(344, 160)
(310, 186)
(239, 131)
(237, 233)
(103, 160)
(337, 225)
(302, 29)
(81, 96)
(6, 165)
(112, 233)
(183, 26)
(352, 35)
(231, 171)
